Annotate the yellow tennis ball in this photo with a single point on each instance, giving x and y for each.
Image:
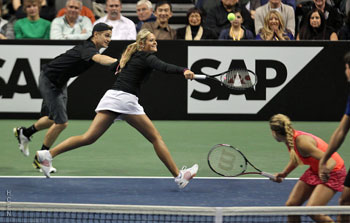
(231, 16)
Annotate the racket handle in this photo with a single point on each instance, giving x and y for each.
(199, 76)
(268, 175)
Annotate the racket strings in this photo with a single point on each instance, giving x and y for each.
(227, 162)
(239, 79)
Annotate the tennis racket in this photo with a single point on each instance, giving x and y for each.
(237, 79)
(228, 161)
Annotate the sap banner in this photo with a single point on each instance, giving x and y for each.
(275, 67)
(19, 74)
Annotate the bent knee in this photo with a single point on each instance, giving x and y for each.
(62, 126)
(88, 139)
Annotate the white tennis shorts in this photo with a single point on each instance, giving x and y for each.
(120, 102)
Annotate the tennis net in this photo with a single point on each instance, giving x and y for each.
(95, 213)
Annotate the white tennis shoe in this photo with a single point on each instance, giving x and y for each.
(52, 170)
(185, 175)
(23, 140)
(45, 160)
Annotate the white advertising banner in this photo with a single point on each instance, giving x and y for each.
(271, 61)
(23, 62)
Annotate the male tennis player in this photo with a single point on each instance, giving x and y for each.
(53, 87)
(334, 144)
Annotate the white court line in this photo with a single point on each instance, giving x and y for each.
(148, 177)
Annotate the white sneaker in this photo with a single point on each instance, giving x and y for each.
(22, 140)
(52, 170)
(45, 160)
(186, 175)
(36, 165)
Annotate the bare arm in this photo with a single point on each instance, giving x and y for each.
(335, 142)
(104, 59)
(286, 171)
(307, 147)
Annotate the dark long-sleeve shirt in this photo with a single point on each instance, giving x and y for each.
(138, 69)
(71, 63)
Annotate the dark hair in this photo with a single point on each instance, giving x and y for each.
(347, 58)
(163, 2)
(194, 10)
(307, 32)
(0, 5)
(100, 27)
(237, 9)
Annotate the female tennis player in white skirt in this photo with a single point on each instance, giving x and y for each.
(121, 102)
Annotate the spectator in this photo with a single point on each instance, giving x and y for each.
(71, 25)
(285, 11)
(123, 28)
(47, 9)
(286, 2)
(217, 16)
(274, 28)
(6, 27)
(59, 4)
(316, 28)
(334, 19)
(344, 32)
(85, 11)
(251, 6)
(237, 31)
(32, 27)
(160, 28)
(195, 29)
(206, 5)
(144, 13)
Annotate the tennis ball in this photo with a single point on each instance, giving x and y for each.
(231, 16)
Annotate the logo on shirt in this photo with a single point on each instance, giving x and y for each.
(274, 67)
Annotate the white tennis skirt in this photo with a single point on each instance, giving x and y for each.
(120, 102)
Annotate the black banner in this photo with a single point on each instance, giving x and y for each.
(304, 80)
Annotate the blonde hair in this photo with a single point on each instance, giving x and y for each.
(132, 48)
(267, 31)
(282, 125)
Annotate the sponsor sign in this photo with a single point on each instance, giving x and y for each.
(275, 67)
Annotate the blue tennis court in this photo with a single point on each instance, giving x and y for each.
(205, 192)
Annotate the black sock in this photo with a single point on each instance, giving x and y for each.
(45, 147)
(29, 131)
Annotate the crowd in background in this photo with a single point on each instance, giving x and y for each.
(207, 19)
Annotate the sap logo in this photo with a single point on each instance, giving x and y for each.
(20, 67)
(256, 93)
(273, 66)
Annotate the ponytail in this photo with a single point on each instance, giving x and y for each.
(282, 125)
(130, 50)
